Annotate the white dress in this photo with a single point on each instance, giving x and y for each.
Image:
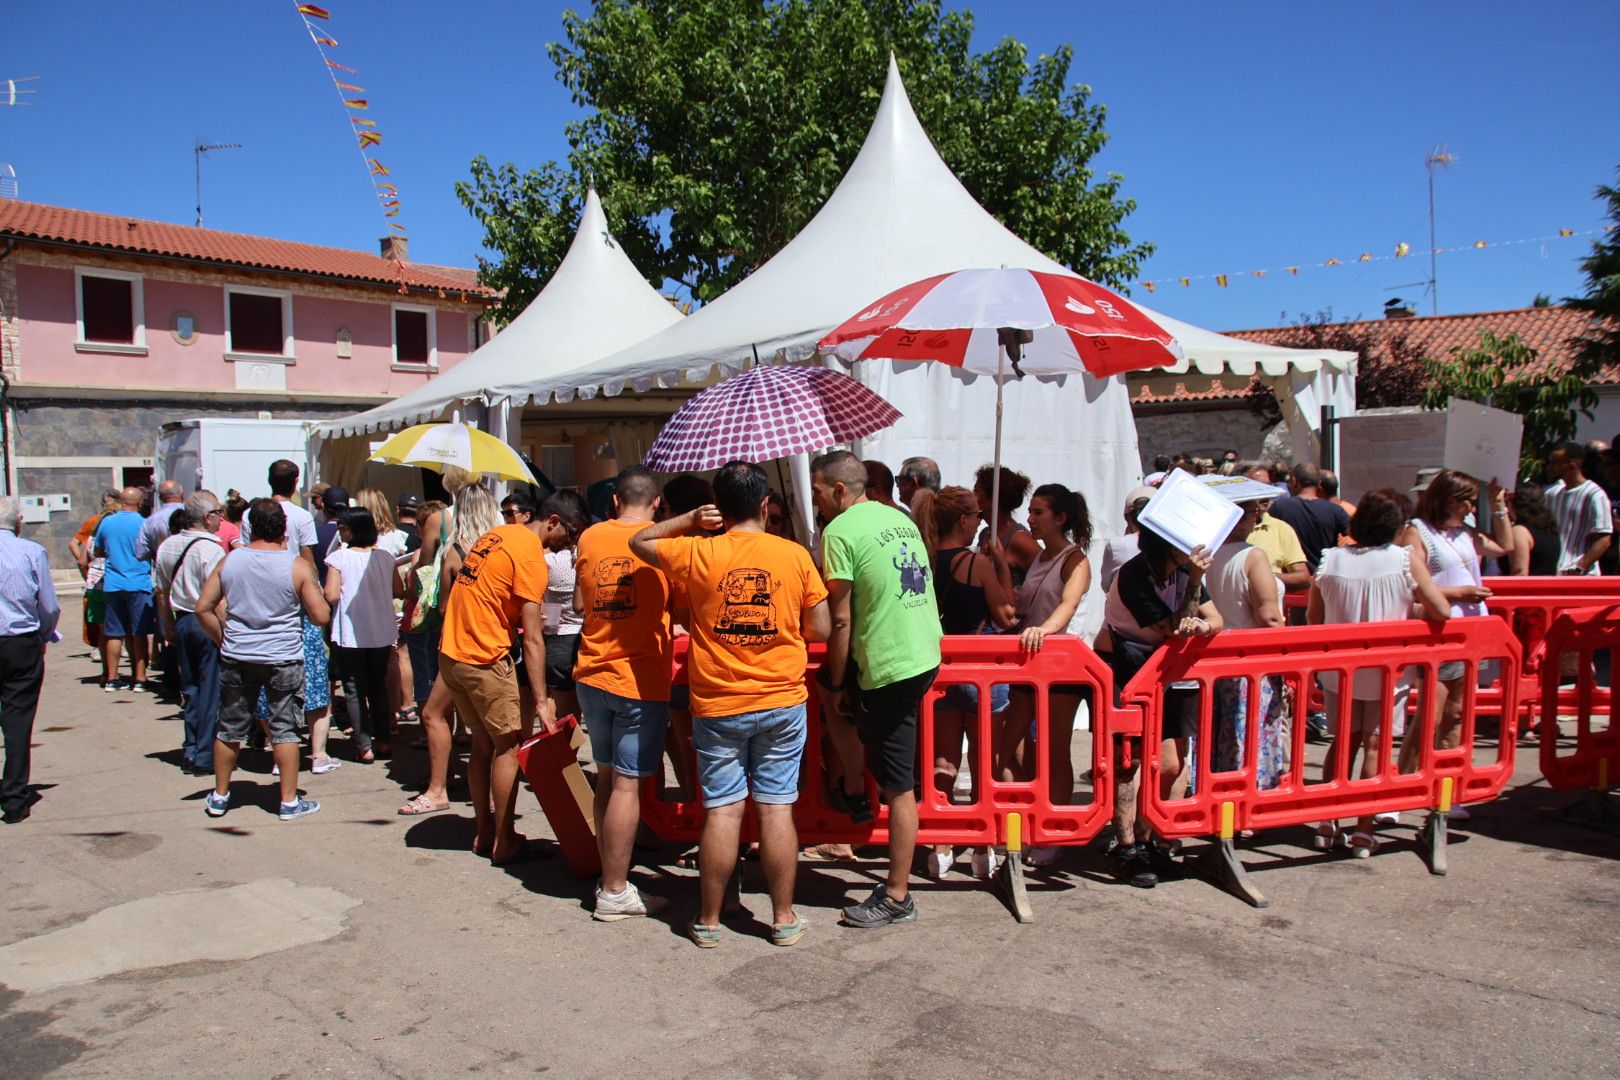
(1362, 585)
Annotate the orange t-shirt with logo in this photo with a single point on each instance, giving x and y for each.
(505, 567)
(624, 646)
(748, 594)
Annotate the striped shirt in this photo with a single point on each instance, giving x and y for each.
(1583, 512)
(27, 596)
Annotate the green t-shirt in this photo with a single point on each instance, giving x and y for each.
(895, 633)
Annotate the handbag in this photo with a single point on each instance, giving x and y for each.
(425, 616)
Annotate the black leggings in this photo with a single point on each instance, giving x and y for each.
(365, 691)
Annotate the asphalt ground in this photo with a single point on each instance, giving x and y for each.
(139, 937)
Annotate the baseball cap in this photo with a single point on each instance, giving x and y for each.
(410, 501)
(335, 496)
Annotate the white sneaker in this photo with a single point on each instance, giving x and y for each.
(985, 862)
(940, 863)
(631, 905)
(1391, 818)
(1044, 855)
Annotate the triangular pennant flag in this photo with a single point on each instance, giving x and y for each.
(1148, 285)
(350, 87)
(1331, 262)
(1365, 256)
(1185, 283)
(369, 138)
(1220, 279)
(337, 66)
(377, 168)
(321, 40)
(314, 12)
(1402, 250)
(1293, 271)
(356, 103)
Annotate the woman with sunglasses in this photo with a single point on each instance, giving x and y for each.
(1452, 549)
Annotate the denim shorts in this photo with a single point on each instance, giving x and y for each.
(754, 752)
(240, 685)
(627, 735)
(965, 696)
(128, 614)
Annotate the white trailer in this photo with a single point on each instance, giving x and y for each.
(221, 454)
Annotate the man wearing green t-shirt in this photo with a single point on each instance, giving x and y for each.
(881, 592)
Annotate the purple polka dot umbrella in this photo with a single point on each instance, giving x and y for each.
(768, 412)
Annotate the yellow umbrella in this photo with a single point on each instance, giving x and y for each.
(436, 446)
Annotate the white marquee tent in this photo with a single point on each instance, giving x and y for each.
(596, 303)
(900, 215)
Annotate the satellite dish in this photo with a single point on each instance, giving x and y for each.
(8, 181)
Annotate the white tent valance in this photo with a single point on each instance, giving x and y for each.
(595, 304)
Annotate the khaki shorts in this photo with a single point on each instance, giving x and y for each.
(486, 696)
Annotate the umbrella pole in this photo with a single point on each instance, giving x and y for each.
(995, 475)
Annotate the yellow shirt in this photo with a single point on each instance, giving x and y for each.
(1280, 543)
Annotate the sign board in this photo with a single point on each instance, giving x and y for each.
(1379, 450)
(1483, 442)
(1189, 514)
(33, 510)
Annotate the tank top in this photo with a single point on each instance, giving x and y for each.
(262, 623)
(1543, 552)
(1005, 538)
(962, 608)
(1452, 560)
(1228, 585)
(1365, 584)
(1042, 590)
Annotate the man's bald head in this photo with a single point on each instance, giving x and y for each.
(130, 498)
(170, 491)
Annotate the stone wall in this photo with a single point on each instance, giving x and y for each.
(1201, 432)
(94, 441)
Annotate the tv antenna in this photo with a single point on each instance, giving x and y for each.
(1440, 158)
(198, 151)
(8, 181)
(10, 95)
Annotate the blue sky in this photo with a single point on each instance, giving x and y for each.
(1251, 135)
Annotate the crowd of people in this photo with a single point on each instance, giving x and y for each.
(479, 619)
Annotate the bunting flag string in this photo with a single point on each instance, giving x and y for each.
(364, 129)
(1402, 250)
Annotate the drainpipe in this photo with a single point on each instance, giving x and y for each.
(5, 391)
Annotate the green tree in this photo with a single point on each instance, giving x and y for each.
(1504, 372)
(715, 129)
(1601, 343)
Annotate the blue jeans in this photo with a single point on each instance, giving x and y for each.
(199, 687)
(627, 734)
(755, 751)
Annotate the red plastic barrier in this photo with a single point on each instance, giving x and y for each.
(1231, 800)
(979, 661)
(1530, 604)
(1591, 763)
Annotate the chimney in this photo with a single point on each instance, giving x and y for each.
(1396, 308)
(395, 248)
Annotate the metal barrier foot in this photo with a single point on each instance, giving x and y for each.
(1010, 877)
(1434, 843)
(1220, 865)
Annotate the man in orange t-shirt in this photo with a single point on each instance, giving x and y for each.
(622, 678)
(756, 600)
(501, 584)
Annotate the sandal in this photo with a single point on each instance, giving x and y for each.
(409, 716)
(422, 805)
(1327, 836)
(1362, 845)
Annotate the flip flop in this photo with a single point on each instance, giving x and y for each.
(422, 805)
(532, 851)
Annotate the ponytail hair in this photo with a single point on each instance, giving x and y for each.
(1072, 505)
(937, 513)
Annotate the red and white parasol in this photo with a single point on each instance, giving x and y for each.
(987, 320)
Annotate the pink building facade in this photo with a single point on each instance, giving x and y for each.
(111, 327)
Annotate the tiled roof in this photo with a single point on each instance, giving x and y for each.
(1401, 344)
(1217, 391)
(111, 232)
(1548, 330)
